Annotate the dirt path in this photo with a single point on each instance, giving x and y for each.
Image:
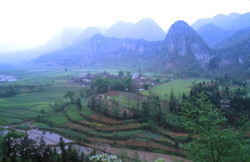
(144, 155)
(177, 134)
(138, 143)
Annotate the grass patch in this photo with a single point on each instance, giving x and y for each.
(73, 113)
(57, 119)
(70, 134)
(87, 111)
(179, 87)
(124, 101)
(41, 125)
(45, 107)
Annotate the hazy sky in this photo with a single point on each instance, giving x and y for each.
(28, 23)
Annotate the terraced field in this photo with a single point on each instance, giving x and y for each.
(120, 133)
(88, 126)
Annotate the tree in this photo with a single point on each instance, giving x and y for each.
(146, 86)
(115, 108)
(172, 102)
(128, 74)
(58, 105)
(10, 145)
(211, 140)
(92, 103)
(79, 104)
(85, 92)
(27, 148)
(100, 85)
(145, 109)
(70, 95)
(121, 73)
(72, 155)
(62, 147)
(44, 152)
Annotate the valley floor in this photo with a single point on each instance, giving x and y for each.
(90, 127)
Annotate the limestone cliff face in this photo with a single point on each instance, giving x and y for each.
(99, 48)
(181, 48)
(182, 40)
(235, 49)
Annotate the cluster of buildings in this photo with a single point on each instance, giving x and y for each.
(139, 82)
(85, 80)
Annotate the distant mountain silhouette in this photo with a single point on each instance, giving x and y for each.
(100, 48)
(183, 50)
(233, 54)
(240, 38)
(87, 33)
(146, 29)
(119, 29)
(69, 34)
(213, 34)
(58, 41)
(233, 21)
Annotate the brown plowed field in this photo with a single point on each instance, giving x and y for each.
(113, 93)
(106, 119)
(177, 134)
(145, 155)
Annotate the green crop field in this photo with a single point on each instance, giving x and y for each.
(27, 106)
(87, 111)
(41, 125)
(57, 119)
(74, 113)
(124, 101)
(179, 87)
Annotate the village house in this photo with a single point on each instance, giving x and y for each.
(140, 82)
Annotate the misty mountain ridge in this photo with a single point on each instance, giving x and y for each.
(72, 35)
(233, 21)
(213, 34)
(97, 49)
(119, 29)
(181, 49)
(181, 42)
(236, 49)
(87, 33)
(146, 29)
(233, 55)
(240, 37)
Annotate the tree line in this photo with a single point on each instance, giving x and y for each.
(15, 89)
(16, 147)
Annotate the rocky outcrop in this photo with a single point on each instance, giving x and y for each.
(182, 40)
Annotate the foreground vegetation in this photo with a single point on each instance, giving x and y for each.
(170, 118)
